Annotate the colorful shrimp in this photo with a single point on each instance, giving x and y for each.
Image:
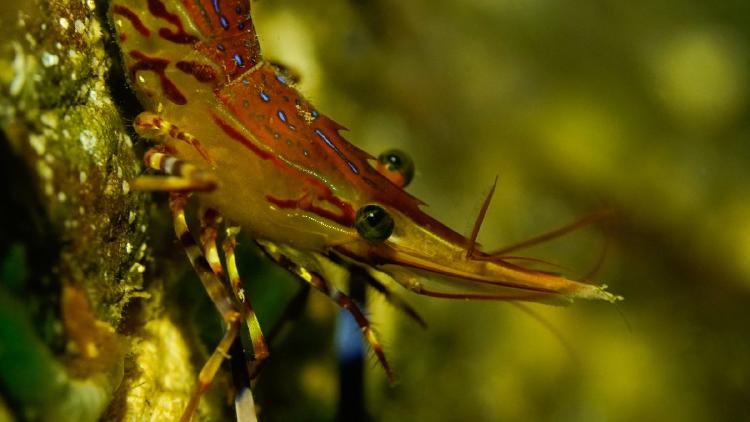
(232, 130)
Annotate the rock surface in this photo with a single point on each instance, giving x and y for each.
(76, 232)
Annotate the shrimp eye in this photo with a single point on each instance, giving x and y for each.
(397, 166)
(374, 223)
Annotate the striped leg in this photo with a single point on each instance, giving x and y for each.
(152, 126)
(219, 296)
(357, 272)
(209, 233)
(260, 349)
(244, 403)
(183, 177)
(210, 219)
(344, 301)
(347, 303)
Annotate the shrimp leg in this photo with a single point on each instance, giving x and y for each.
(209, 233)
(182, 176)
(341, 299)
(260, 348)
(152, 126)
(219, 296)
(210, 219)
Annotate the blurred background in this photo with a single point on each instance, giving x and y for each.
(640, 107)
(637, 106)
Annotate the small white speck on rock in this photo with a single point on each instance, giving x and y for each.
(49, 59)
(38, 143)
(49, 119)
(88, 141)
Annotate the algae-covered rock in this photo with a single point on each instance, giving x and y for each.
(76, 301)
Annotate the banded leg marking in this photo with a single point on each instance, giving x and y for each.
(219, 296)
(244, 403)
(210, 219)
(152, 126)
(183, 176)
(341, 299)
(260, 348)
(209, 232)
(212, 365)
(345, 302)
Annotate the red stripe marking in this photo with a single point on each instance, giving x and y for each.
(201, 72)
(157, 8)
(234, 134)
(133, 18)
(156, 65)
(346, 218)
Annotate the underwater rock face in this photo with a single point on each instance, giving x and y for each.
(76, 233)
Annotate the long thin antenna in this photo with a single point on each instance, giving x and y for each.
(600, 260)
(480, 219)
(585, 221)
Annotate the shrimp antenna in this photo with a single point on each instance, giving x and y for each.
(480, 219)
(554, 234)
(602, 256)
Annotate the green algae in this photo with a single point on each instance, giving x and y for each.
(73, 217)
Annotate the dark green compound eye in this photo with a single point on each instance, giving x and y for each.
(397, 166)
(374, 223)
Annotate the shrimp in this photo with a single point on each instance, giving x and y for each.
(234, 133)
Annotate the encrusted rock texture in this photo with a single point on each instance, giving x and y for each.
(76, 232)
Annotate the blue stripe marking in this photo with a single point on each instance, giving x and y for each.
(325, 139)
(238, 60)
(281, 79)
(281, 115)
(217, 9)
(264, 96)
(338, 152)
(224, 22)
(351, 165)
